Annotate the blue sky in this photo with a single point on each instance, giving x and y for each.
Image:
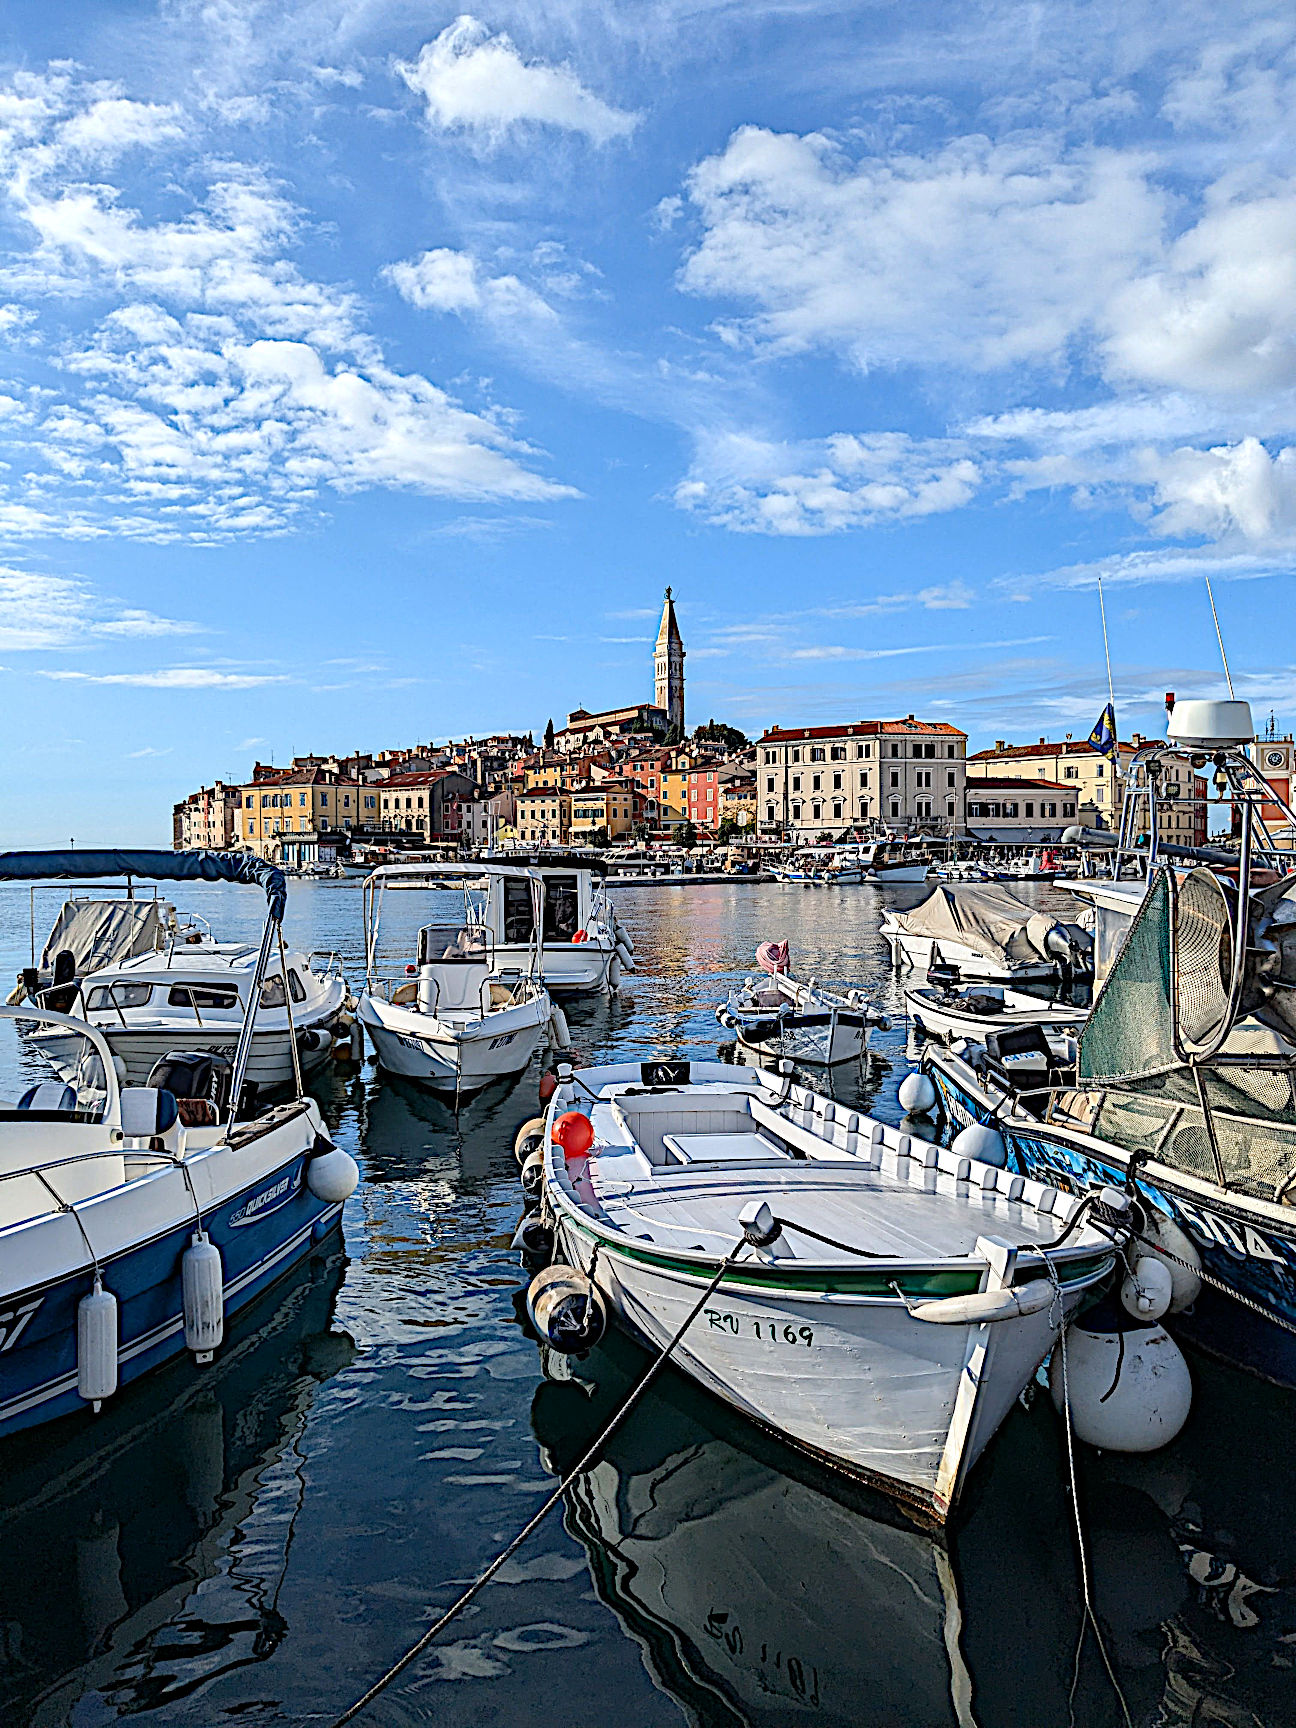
(369, 368)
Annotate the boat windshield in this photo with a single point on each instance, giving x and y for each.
(440, 944)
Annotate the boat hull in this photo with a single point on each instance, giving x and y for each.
(855, 1381)
(263, 1221)
(916, 952)
(270, 1064)
(938, 1019)
(423, 1049)
(569, 968)
(1250, 1248)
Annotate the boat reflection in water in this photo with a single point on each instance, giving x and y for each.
(142, 1556)
(763, 1592)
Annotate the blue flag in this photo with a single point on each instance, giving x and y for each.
(1103, 737)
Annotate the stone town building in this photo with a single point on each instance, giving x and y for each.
(1030, 812)
(207, 820)
(899, 776)
(425, 806)
(1097, 786)
(297, 814)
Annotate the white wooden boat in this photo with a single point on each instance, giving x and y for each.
(889, 1299)
(462, 1019)
(975, 1009)
(194, 997)
(776, 1016)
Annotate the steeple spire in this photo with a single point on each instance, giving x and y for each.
(668, 666)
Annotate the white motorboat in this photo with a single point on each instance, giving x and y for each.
(456, 1019)
(586, 948)
(975, 1009)
(987, 932)
(777, 1016)
(195, 997)
(136, 1219)
(879, 1302)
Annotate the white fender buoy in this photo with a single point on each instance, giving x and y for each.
(528, 1139)
(979, 1141)
(1162, 1233)
(1130, 1386)
(623, 935)
(533, 1171)
(980, 1307)
(332, 1176)
(614, 973)
(917, 1094)
(1147, 1289)
(559, 1033)
(202, 1287)
(534, 1239)
(97, 1345)
(623, 953)
(566, 1309)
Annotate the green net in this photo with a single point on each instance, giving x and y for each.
(1130, 1032)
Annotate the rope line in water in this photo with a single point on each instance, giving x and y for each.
(533, 1523)
(1219, 1284)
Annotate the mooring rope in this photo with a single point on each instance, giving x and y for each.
(479, 1583)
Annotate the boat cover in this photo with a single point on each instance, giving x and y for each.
(101, 933)
(156, 866)
(986, 918)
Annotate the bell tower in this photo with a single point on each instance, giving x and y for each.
(668, 662)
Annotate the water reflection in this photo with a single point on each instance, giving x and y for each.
(143, 1554)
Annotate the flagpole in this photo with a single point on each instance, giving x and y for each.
(1102, 609)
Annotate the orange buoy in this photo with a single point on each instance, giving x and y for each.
(548, 1085)
(574, 1133)
(581, 936)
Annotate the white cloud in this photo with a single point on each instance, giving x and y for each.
(42, 611)
(1236, 491)
(173, 678)
(846, 481)
(474, 82)
(227, 388)
(437, 281)
(979, 254)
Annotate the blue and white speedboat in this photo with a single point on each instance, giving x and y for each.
(135, 1219)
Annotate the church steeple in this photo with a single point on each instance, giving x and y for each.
(668, 663)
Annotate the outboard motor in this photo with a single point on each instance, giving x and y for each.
(62, 993)
(200, 1083)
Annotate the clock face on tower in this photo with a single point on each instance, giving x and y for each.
(1274, 758)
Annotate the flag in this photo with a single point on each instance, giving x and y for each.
(1103, 737)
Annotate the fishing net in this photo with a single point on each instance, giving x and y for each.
(1255, 1157)
(1130, 1033)
(1203, 960)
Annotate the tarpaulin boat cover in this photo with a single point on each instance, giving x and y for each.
(156, 866)
(101, 933)
(986, 918)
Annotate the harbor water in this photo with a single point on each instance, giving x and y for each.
(254, 1542)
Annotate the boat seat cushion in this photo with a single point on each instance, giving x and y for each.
(49, 1095)
(747, 1148)
(147, 1111)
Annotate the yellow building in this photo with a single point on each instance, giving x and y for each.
(299, 804)
(543, 817)
(613, 806)
(1073, 763)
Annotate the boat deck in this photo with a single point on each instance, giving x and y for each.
(675, 1171)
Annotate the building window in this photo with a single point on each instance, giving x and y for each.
(949, 750)
(769, 758)
(838, 753)
(1030, 810)
(816, 755)
(818, 812)
(1071, 773)
(929, 750)
(949, 807)
(895, 808)
(837, 782)
(895, 750)
(817, 784)
(769, 782)
(796, 782)
(1068, 809)
(796, 755)
(837, 810)
(895, 778)
(796, 812)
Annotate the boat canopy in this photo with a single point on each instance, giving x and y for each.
(99, 933)
(156, 866)
(986, 918)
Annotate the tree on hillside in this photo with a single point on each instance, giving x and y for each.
(672, 736)
(549, 736)
(717, 732)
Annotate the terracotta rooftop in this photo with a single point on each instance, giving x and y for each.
(861, 729)
(1003, 752)
(1024, 788)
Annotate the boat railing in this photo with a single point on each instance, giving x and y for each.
(326, 964)
(127, 1153)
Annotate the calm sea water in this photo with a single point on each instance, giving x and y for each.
(252, 1543)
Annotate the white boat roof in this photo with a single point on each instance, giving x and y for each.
(205, 960)
(451, 873)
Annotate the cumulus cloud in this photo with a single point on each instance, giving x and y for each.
(447, 281)
(38, 610)
(226, 388)
(979, 254)
(477, 83)
(1233, 491)
(846, 481)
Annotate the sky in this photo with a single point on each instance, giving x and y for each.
(367, 369)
